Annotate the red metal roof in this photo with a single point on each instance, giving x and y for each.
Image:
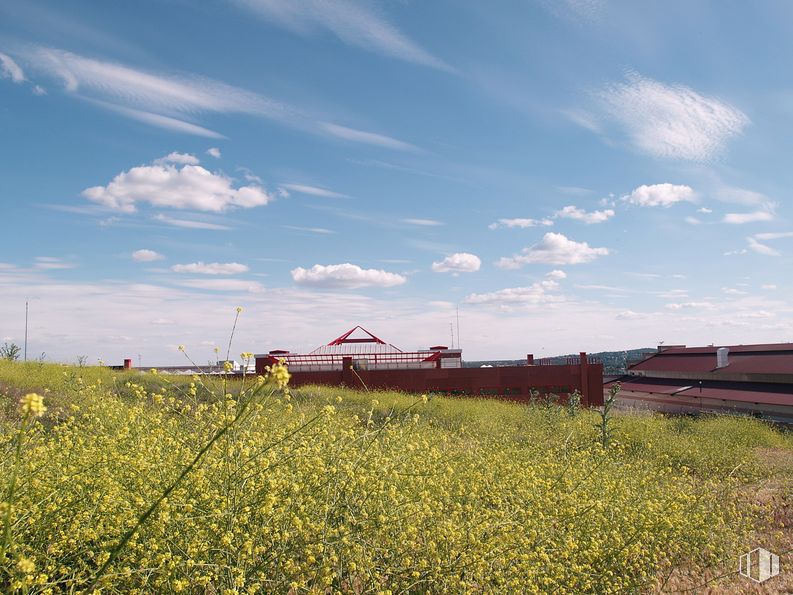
(741, 392)
(743, 359)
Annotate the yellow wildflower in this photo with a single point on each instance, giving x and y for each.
(32, 404)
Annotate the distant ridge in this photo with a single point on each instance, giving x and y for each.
(614, 362)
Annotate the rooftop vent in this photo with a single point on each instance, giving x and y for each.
(722, 357)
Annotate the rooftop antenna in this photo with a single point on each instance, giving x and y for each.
(458, 325)
(26, 330)
(451, 328)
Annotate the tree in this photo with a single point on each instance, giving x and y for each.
(10, 351)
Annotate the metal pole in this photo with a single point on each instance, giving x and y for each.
(458, 326)
(26, 330)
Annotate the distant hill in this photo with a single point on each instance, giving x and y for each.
(613, 361)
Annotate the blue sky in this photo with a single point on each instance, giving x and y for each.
(572, 175)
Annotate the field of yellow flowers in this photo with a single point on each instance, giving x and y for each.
(134, 482)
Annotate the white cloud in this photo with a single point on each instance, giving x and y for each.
(764, 249)
(146, 255)
(704, 210)
(320, 230)
(554, 248)
(214, 152)
(49, 263)
(536, 293)
(556, 274)
(170, 101)
(178, 158)
(753, 217)
(189, 223)
(167, 185)
(689, 305)
(367, 138)
(573, 212)
(354, 23)
(520, 223)
(349, 276)
(313, 190)
(10, 69)
(222, 285)
(460, 262)
(423, 222)
(692, 220)
(769, 286)
(774, 235)
(210, 268)
(671, 121)
(660, 195)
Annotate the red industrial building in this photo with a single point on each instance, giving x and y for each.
(359, 359)
(747, 379)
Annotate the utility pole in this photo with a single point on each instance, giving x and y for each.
(26, 330)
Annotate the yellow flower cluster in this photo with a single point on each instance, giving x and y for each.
(32, 404)
(337, 491)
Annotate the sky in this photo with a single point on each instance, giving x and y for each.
(572, 175)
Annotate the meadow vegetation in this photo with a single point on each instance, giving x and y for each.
(136, 482)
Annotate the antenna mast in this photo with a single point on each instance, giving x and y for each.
(458, 326)
(26, 330)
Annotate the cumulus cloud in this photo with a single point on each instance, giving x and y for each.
(660, 195)
(146, 255)
(689, 305)
(671, 121)
(168, 185)
(520, 223)
(753, 217)
(704, 210)
(180, 158)
(554, 248)
(460, 262)
(536, 293)
(354, 23)
(210, 268)
(313, 190)
(10, 69)
(214, 152)
(346, 275)
(573, 212)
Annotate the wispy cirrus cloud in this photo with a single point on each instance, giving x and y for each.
(174, 101)
(670, 121)
(357, 23)
(313, 191)
(189, 223)
(540, 292)
(753, 217)
(10, 69)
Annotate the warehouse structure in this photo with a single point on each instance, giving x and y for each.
(747, 379)
(359, 359)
